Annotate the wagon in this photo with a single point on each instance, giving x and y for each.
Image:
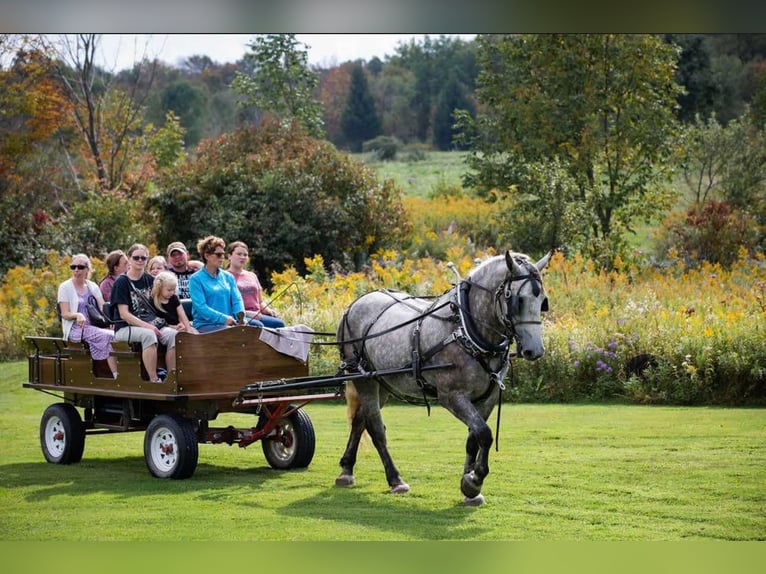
(228, 371)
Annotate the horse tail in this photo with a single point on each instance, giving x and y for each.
(352, 401)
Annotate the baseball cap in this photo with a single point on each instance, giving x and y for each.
(176, 246)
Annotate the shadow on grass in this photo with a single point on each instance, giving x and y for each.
(398, 513)
(126, 477)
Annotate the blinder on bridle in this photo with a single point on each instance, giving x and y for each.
(517, 303)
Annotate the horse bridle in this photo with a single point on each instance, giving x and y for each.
(513, 303)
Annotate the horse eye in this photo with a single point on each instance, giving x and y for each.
(544, 305)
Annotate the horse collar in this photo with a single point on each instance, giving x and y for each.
(475, 343)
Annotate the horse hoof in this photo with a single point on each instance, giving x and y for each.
(344, 480)
(469, 486)
(475, 501)
(400, 488)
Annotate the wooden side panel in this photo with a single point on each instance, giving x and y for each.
(227, 360)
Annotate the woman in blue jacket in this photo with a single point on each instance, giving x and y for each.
(216, 301)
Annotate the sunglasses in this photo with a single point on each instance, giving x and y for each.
(139, 257)
(80, 267)
(218, 253)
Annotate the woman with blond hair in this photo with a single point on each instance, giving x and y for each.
(167, 304)
(73, 296)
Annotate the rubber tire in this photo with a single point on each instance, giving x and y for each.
(62, 419)
(299, 431)
(178, 433)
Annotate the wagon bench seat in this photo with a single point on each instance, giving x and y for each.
(208, 366)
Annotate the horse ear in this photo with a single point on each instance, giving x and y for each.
(513, 267)
(543, 263)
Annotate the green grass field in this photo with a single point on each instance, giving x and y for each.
(563, 472)
(420, 178)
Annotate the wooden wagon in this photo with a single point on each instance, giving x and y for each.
(231, 370)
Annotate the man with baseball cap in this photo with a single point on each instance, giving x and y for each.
(178, 263)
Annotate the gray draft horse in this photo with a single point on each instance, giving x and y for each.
(455, 349)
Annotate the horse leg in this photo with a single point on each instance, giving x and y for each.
(348, 460)
(377, 431)
(477, 447)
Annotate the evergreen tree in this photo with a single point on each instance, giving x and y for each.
(360, 121)
(452, 97)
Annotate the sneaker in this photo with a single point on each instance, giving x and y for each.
(157, 381)
(162, 374)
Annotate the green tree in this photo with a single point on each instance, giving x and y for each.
(452, 97)
(603, 104)
(359, 120)
(188, 103)
(166, 143)
(432, 62)
(393, 90)
(281, 82)
(695, 74)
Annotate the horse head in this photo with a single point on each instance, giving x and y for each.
(524, 300)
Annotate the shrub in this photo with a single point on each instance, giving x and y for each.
(385, 148)
(283, 193)
(712, 231)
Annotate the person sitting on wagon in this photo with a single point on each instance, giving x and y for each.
(116, 264)
(178, 263)
(250, 287)
(73, 295)
(167, 304)
(216, 301)
(156, 264)
(131, 295)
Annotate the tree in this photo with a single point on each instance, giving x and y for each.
(188, 102)
(333, 88)
(703, 154)
(452, 97)
(33, 109)
(393, 89)
(106, 117)
(695, 74)
(360, 120)
(433, 62)
(281, 82)
(603, 104)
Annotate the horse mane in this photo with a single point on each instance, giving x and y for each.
(520, 258)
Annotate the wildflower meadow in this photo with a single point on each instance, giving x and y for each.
(664, 335)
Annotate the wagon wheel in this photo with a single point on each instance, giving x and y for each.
(62, 434)
(294, 442)
(170, 447)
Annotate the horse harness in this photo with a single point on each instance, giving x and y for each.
(465, 334)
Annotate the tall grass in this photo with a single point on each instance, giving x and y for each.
(563, 472)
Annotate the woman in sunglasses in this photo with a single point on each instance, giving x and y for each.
(131, 295)
(72, 299)
(216, 301)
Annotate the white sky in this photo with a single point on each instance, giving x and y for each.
(120, 51)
